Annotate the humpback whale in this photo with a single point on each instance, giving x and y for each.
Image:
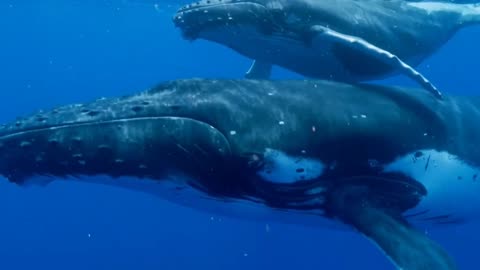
(383, 161)
(341, 40)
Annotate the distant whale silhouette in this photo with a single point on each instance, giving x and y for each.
(342, 40)
(306, 152)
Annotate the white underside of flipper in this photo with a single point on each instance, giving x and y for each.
(282, 168)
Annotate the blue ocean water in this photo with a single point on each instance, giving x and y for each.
(54, 52)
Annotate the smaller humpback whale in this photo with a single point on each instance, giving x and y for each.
(378, 159)
(341, 40)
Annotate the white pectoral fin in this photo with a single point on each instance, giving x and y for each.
(259, 70)
(387, 57)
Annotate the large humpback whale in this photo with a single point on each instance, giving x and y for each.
(380, 160)
(342, 40)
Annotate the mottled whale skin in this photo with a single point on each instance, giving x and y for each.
(365, 39)
(308, 152)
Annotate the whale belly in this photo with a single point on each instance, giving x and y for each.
(452, 186)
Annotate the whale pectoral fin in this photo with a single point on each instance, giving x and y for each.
(259, 70)
(380, 54)
(407, 247)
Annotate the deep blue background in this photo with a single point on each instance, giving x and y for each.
(58, 52)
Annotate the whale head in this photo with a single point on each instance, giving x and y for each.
(198, 18)
(239, 23)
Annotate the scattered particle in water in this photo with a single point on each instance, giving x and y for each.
(281, 123)
(373, 163)
(267, 228)
(103, 147)
(333, 165)
(233, 132)
(25, 144)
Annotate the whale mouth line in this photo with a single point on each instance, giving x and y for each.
(93, 123)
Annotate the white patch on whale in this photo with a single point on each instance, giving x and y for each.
(284, 169)
(452, 186)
